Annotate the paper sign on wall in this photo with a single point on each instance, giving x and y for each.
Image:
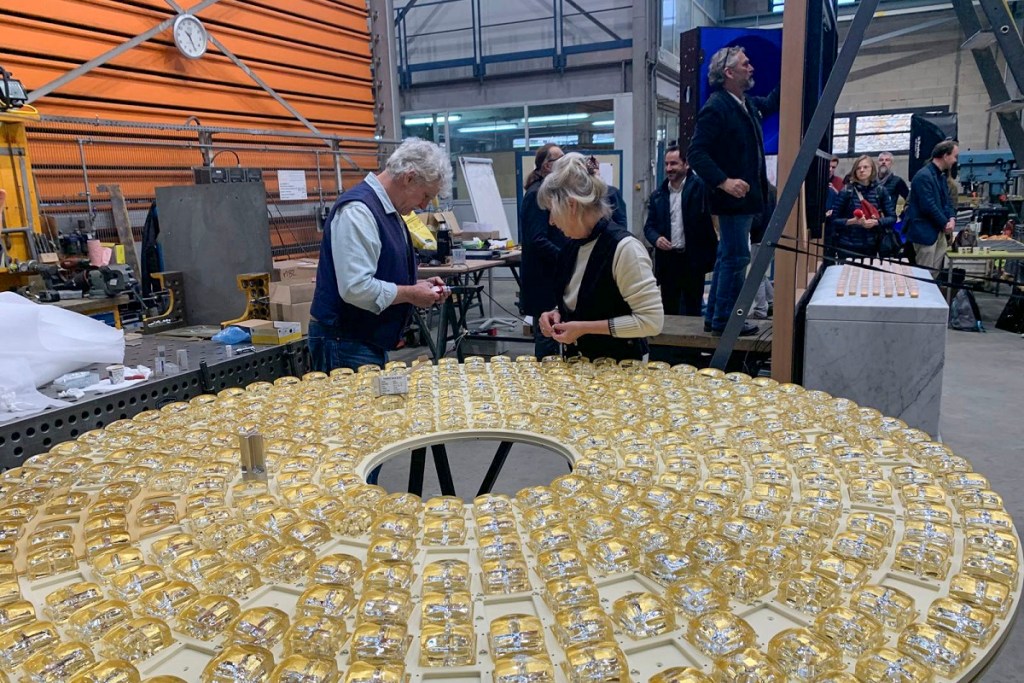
(292, 185)
(606, 173)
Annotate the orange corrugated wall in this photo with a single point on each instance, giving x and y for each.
(315, 53)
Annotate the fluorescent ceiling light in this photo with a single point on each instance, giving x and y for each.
(489, 128)
(558, 117)
(602, 123)
(427, 120)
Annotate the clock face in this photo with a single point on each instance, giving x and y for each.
(190, 36)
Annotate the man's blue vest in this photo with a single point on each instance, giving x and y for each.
(397, 264)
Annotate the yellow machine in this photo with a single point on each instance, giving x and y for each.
(21, 213)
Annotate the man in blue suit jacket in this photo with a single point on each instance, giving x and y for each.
(930, 214)
(727, 151)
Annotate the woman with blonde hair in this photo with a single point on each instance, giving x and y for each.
(862, 212)
(608, 299)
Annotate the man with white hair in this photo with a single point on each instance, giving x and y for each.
(366, 283)
(895, 186)
(727, 151)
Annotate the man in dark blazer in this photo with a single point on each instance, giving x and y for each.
(727, 151)
(680, 229)
(930, 214)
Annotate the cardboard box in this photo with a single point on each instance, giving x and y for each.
(295, 313)
(435, 218)
(299, 270)
(484, 235)
(294, 292)
(274, 333)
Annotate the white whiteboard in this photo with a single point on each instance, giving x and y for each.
(483, 193)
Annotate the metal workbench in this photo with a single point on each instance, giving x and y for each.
(210, 370)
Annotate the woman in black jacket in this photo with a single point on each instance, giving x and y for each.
(862, 212)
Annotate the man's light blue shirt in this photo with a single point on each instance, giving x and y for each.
(355, 239)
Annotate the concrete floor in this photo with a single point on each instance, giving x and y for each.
(983, 384)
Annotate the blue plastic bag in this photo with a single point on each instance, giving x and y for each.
(232, 335)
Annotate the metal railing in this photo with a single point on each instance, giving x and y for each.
(480, 33)
(72, 158)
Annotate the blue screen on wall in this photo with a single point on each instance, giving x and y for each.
(764, 48)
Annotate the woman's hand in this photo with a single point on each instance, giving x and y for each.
(548, 320)
(568, 333)
(870, 223)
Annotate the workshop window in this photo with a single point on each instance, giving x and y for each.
(779, 5)
(873, 132)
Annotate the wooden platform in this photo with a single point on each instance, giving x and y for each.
(688, 332)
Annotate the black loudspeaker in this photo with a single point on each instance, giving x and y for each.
(927, 130)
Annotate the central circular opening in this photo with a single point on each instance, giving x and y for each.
(469, 463)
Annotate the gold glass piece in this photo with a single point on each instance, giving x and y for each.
(893, 608)
(887, 664)
(93, 621)
(804, 655)
(167, 600)
(366, 672)
(596, 663)
(852, 632)
(922, 559)
(584, 624)
(379, 643)
(386, 607)
(59, 664)
(235, 579)
(971, 623)
(749, 664)
(455, 607)
(446, 576)
(447, 645)
(262, 626)
(316, 637)
(50, 560)
(239, 663)
(808, 592)
(288, 564)
(943, 652)
(643, 615)
(719, 634)
(740, 580)
(523, 669)
(337, 568)
(209, 616)
(388, 575)
(516, 634)
(444, 531)
(60, 604)
(117, 671)
(16, 613)
(138, 639)
(988, 595)
(508, 575)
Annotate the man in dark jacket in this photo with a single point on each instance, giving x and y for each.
(542, 243)
(930, 214)
(727, 151)
(680, 229)
(895, 186)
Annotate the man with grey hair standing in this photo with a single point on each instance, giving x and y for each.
(893, 185)
(366, 282)
(727, 151)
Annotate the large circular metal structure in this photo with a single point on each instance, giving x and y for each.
(714, 527)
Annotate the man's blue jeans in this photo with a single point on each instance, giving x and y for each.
(730, 268)
(327, 351)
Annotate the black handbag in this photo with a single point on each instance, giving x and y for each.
(890, 246)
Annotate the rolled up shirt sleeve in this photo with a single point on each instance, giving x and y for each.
(634, 275)
(355, 241)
